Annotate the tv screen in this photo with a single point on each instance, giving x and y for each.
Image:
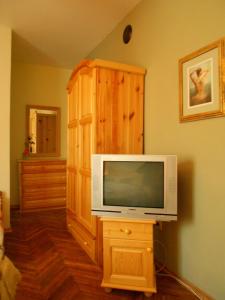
(133, 183)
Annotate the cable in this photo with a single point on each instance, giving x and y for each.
(163, 267)
(182, 283)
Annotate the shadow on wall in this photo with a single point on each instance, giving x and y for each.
(185, 191)
(168, 240)
(22, 50)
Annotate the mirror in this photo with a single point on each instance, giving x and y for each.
(43, 130)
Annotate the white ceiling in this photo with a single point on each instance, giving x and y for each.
(60, 32)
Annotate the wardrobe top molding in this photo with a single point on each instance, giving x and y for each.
(103, 64)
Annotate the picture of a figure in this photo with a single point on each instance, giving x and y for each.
(200, 84)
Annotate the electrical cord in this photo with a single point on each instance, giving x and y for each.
(162, 267)
(182, 283)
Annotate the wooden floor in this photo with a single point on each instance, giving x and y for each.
(54, 267)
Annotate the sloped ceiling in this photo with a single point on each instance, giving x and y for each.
(60, 32)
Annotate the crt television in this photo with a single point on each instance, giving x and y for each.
(135, 186)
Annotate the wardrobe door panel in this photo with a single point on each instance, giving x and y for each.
(86, 95)
(86, 148)
(73, 148)
(84, 202)
(119, 117)
(135, 115)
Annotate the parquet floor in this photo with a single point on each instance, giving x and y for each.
(54, 267)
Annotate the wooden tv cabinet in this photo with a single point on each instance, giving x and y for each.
(128, 255)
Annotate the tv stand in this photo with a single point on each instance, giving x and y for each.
(128, 255)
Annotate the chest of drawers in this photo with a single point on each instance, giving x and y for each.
(42, 184)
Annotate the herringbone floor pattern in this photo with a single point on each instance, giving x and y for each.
(54, 267)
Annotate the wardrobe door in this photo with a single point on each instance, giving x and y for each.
(86, 148)
(135, 85)
(73, 154)
(119, 115)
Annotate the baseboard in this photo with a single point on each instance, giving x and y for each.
(190, 286)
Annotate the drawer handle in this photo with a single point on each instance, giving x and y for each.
(126, 231)
(149, 250)
(85, 243)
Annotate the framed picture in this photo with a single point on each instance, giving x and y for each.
(201, 83)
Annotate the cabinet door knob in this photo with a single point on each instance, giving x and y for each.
(126, 230)
(149, 249)
(85, 243)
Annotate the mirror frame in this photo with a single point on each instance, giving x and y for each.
(58, 127)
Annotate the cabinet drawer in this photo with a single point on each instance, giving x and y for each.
(43, 203)
(50, 192)
(43, 167)
(82, 237)
(41, 180)
(128, 230)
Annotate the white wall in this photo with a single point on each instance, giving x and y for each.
(5, 74)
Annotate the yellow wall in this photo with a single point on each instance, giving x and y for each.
(5, 73)
(163, 32)
(34, 84)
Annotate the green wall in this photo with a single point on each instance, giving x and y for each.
(40, 85)
(163, 32)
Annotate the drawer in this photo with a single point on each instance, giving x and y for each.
(45, 179)
(128, 230)
(82, 237)
(50, 192)
(43, 203)
(43, 167)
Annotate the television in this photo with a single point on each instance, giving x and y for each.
(135, 186)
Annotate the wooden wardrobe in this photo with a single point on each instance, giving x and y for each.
(105, 115)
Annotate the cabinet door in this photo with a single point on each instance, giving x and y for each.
(73, 154)
(119, 113)
(135, 114)
(128, 263)
(86, 148)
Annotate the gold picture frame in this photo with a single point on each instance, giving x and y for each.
(201, 85)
